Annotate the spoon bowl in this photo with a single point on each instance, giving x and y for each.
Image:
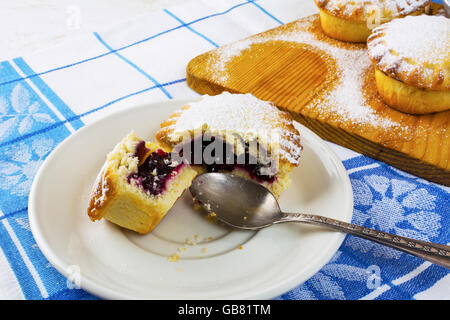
(245, 204)
(248, 205)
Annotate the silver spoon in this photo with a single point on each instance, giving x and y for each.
(244, 204)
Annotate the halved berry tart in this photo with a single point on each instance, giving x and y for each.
(233, 133)
(138, 184)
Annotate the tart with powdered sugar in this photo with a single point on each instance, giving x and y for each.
(411, 57)
(138, 184)
(140, 181)
(353, 20)
(239, 134)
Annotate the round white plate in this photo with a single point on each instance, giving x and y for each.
(111, 262)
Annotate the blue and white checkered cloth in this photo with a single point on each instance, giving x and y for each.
(47, 96)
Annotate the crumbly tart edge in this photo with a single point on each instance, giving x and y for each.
(440, 81)
(409, 99)
(105, 190)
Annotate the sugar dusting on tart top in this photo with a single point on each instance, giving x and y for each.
(415, 50)
(360, 10)
(245, 115)
(100, 190)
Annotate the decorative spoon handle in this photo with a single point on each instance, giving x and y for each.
(433, 252)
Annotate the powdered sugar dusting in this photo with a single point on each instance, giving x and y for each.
(346, 100)
(415, 42)
(245, 115)
(100, 189)
(389, 8)
(225, 53)
(423, 38)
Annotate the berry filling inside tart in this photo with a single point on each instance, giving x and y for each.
(215, 155)
(155, 171)
(210, 152)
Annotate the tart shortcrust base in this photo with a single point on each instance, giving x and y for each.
(349, 30)
(342, 29)
(410, 99)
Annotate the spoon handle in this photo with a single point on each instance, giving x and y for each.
(433, 252)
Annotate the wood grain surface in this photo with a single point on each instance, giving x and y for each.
(304, 77)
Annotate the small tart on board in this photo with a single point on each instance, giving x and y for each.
(411, 58)
(353, 20)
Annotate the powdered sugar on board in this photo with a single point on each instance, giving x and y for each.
(245, 115)
(345, 100)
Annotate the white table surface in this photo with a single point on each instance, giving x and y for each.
(31, 25)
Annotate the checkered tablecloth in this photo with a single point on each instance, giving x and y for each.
(47, 96)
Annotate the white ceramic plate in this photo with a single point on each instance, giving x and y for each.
(115, 263)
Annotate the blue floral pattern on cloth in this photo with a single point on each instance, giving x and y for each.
(23, 111)
(388, 200)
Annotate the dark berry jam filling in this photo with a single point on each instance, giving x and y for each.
(210, 152)
(140, 151)
(156, 170)
(217, 155)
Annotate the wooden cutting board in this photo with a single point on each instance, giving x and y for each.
(328, 86)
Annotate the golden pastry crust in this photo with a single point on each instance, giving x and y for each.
(414, 50)
(343, 30)
(166, 128)
(102, 194)
(105, 188)
(235, 114)
(353, 21)
(114, 198)
(364, 10)
(409, 99)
